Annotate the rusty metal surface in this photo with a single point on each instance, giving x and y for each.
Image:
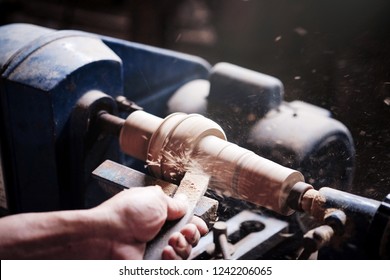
(114, 177)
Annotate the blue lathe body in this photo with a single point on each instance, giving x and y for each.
(63, 95)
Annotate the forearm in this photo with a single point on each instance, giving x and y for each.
(119, 228)
(56, 235)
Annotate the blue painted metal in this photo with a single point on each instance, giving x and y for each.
(152, 74)
(44, 73)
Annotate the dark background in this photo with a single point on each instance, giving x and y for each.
(334, 54)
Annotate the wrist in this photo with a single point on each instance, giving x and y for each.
(89, 235)
(77, 234)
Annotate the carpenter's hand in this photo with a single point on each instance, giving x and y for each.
(181, 243)
(117, 229)
(134, 217)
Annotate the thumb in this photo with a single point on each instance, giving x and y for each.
(177, 207)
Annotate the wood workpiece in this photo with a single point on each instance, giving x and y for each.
(181, 143)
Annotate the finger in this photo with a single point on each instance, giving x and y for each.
(201, 225)
(191, 234)
(169, 254)
(177, 206)
(180, 245)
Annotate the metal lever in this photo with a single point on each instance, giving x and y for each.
(220, 240)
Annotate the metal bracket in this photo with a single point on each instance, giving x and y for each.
(249, 245)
